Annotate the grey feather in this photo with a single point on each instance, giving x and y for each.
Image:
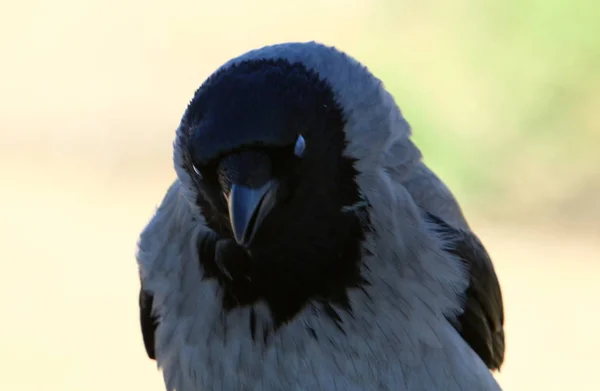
(482, 320)
(397, 336)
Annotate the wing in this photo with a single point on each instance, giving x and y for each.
(170, 219)
(148, 322)
(482, 322)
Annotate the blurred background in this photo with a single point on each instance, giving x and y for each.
(503, 97)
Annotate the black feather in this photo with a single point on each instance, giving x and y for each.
(245, 119)
(482, 322)
(148, 321)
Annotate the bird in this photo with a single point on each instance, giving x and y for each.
(305, 245)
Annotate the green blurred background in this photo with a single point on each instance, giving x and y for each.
(502, 98)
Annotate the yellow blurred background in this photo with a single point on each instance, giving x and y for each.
(503, 98)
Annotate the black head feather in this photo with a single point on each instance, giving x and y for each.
(242, 125)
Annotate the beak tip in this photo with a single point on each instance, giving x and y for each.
(238, 235)
(247, 207)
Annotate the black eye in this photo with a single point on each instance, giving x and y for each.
(197, 172)
(300, 146)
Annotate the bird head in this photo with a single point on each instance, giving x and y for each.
(264, 150)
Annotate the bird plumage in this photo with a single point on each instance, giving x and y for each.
(410, 301)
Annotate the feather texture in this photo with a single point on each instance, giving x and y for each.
(481, 323)
(401, 332)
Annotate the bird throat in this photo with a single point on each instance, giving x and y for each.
(287, 277)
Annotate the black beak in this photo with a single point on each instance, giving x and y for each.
(248, 207)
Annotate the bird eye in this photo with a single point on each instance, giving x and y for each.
(300, 146)
(197, 172)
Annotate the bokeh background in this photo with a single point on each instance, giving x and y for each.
(503, 97)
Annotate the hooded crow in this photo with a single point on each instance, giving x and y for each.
(306, 246)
